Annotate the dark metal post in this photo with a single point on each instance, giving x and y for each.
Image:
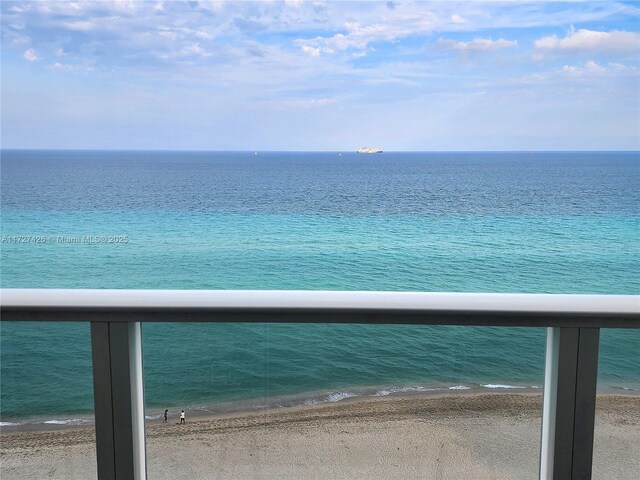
(103, 405)
(569, 403)
(585, 403)
(118, 398)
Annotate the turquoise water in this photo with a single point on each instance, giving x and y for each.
(227, 251)
(396, 225)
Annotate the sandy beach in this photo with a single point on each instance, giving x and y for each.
(473, 436)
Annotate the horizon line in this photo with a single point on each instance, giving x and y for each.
(312, 151)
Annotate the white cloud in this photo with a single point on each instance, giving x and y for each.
(16, 9)
(619, 67)
(59, 52)
(590, 40)
(66, 8)
(81, 25)
(98, 23)
(128, 5)
(455, 18)
(306, 103)
(215, 5)
(478, 44)
(173, 36)
(312, 51)
(195, 49)
(203, 35)
(592, 68)
(20, 40)
(360, 37)
(67, 67)
(31, 55)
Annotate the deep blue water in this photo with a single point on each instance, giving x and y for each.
(503, 222)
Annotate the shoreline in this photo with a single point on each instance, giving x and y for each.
(286, 402)
(464, 435)
(195, 416)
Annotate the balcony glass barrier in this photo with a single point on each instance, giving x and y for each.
(336, 401)
(47, 402)
(317, 383)
(616, 449)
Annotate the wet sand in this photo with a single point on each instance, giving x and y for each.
(472, 436)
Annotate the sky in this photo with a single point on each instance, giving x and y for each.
(321, 75)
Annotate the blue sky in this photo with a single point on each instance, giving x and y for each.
(317, 75)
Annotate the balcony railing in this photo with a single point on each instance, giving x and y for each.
(573, 327)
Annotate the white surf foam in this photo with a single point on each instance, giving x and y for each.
(9, 424)
(70, 421)
(497, 385)
(332, 397)
(388, 391)
(336, 397)
(459, 387)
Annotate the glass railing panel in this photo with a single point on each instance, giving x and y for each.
(329, 401)
(616, 449)
(46, 403)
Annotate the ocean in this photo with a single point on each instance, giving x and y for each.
(543, 222)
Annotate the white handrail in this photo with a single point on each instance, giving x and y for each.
(321, 300)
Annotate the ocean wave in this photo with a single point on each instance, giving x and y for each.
(70, 421)
(9, 424)
(497, 385)
(629, 389)
(315, 398)
(391, 390)
(336, 397)
(330, 398)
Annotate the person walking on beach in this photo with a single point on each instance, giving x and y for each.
(165, 416)
(182, 420)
